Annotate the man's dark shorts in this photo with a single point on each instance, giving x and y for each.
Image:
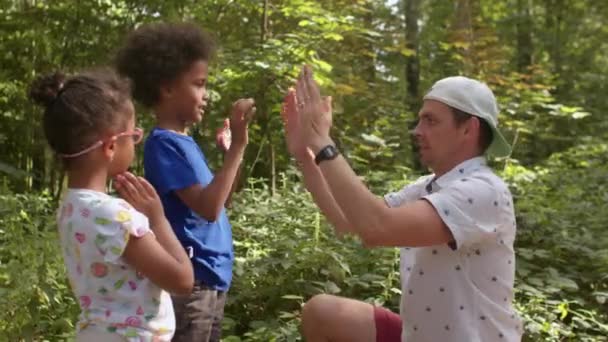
(388, 325)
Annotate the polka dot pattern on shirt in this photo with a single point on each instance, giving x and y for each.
(441, 283)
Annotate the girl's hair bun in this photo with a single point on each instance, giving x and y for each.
(46, 89)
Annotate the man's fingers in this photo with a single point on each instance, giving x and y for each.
(310, 153)
(312, 88)
(289, 109)
(301, 90)
(293, 116)
(327, 104)
(291, 100)
(284, 111)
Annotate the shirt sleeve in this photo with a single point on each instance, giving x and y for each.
(115, 225)
(470, 209)
(409, 193)
(166, 166)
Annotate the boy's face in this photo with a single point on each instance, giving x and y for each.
(187, 95)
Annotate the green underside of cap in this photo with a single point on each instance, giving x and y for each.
(499, 147)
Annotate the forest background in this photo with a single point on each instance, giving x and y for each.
(547, 61)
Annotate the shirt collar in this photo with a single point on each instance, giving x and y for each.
(465, 168)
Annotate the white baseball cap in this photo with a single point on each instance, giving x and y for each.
(475, 98)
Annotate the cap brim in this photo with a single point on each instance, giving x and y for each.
(499, 147)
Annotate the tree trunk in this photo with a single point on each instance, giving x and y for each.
(369, 62)
(412, 65)
(38, 172)
(264, 34)
(464, 33)
(554, 12)
(264, 23)
(525, 46)
(411, 9)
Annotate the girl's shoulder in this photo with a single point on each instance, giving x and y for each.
(100, 220)
(100, 207)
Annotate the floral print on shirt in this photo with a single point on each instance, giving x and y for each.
(95, 229)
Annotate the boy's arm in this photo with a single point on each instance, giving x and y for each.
(235, 184)
(209, 201)
(223, 139)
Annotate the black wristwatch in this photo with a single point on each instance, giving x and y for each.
(328, 152)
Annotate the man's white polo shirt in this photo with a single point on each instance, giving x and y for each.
(461, 292)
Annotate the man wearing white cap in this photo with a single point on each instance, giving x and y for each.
(456, 226)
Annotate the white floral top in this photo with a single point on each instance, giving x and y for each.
(94, 229)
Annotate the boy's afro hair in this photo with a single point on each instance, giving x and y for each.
(157, 53)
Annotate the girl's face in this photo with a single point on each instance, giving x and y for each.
(124, 144)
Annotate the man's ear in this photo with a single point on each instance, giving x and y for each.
(472, 125)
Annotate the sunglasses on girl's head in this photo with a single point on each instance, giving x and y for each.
(136, 134)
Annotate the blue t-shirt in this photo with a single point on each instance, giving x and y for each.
(172, 162)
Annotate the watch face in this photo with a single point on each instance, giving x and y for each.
(327, 153)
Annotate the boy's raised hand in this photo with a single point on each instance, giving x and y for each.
(140, 194)
(242, 113)
(223, 136)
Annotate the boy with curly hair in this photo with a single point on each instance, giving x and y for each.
(168, 66)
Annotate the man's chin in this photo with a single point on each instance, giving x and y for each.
(425, 164)
(423, 158)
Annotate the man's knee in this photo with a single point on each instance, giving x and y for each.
(324, 309)
(332, 318)
(316, 306)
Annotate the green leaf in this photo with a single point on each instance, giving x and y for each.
(370, 138)
(294, 297)
(580, 115)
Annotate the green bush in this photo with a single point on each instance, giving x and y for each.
(562, 245)
(286, 253)
(35, 297)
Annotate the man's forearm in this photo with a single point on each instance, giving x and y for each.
(360, 207)
(317, 186)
